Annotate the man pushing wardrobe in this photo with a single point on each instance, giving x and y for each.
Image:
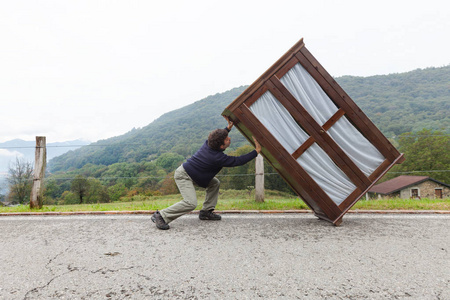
(200, 170)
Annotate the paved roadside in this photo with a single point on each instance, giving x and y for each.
(244, 256)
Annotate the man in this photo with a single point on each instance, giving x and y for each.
(200, 170)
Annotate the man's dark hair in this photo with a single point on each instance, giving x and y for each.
(217, 138)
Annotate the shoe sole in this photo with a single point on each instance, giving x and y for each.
(208, 219)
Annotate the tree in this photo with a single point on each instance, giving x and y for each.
(80, 187)
(69, 198)
(51, 192)
(425, 151)
(168, 186)
(20, 176)
(97, 192)
(169, 161)
(117, 191)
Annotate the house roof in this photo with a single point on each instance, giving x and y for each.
(397, 184)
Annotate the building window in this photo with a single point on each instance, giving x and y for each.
(415, 193)
(438, 193)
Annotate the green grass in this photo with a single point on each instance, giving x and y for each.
(235, 200)
(406, 204)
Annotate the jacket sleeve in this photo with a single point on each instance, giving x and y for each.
(234, 161)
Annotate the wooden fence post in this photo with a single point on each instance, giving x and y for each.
(40, 162)
(259, 178)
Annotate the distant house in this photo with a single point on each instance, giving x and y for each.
(411, 187)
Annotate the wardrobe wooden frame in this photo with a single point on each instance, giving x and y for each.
(283, 161)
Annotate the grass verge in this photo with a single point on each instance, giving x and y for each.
(236, 200)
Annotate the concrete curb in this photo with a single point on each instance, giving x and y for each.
(148, 212)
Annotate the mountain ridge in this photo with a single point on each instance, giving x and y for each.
(396, 103)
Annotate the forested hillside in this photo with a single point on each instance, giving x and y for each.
(180, 131)
(396, 103)
(410, 108)
(406, 102)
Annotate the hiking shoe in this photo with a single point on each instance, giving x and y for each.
(209, 215)
(159, 221)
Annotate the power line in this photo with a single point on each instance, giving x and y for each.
(71, 146)
(146, 144)
(155, 177)
(418, 135)
(218, 175)
(429, 171)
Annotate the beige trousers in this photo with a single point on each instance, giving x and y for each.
(187, 189)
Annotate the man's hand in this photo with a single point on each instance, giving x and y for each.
(230, 123)
(257, 145)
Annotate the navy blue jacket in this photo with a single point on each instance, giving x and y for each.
(207, 162)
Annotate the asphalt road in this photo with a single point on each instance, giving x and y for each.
(248, 256)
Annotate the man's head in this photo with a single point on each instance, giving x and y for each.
(219, 139)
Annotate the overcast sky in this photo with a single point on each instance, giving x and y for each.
(95, 69)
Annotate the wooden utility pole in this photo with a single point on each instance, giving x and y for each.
(40, 162)
(259, 178)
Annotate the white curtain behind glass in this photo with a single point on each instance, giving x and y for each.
(308, 92)
(327, 175)
(275, 117)
(290, 135)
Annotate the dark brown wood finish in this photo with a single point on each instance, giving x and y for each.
(348, 203)
(287, 67)
(342, 100)
(334, 118)
(301, 115)
(286, 163)
(352, 197)
(258, 93)
(310, 187)
(264, 77)
(308, 143)
(378, 171)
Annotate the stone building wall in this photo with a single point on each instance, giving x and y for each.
(426, 190)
